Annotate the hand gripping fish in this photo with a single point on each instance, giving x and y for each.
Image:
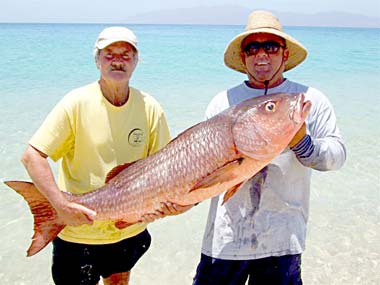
(217, 155)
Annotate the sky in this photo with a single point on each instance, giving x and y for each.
(103, 11)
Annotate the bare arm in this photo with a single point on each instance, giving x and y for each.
(40, 172)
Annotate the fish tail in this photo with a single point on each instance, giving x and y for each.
(46, 222)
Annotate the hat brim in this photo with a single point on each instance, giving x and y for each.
(101, 44)
(232, 58)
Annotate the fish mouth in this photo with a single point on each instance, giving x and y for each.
(300, 110)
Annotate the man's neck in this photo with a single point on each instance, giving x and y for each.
(116, 93)
(261, 85)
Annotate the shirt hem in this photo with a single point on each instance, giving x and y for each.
(101, 241)
(252, 256)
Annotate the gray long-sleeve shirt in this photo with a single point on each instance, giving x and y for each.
(268, 216)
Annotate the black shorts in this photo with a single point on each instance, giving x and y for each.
(75, 263)
(281, 270)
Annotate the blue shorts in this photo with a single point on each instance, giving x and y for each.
(282, 270)
(75, 263)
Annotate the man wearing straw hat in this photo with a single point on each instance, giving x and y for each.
(259, 234)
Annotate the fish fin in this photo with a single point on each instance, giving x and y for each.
(116, 170)
(179, 204)
(222, 174)
(46, 223)
(257, 181)
(122, 224)
(231, 192)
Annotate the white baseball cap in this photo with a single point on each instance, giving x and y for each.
(115, 34)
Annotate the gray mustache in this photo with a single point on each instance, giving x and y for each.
(118, 67)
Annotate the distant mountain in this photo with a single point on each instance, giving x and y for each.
(237, 15)
(331, 19)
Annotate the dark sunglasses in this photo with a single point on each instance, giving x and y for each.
(270, 47)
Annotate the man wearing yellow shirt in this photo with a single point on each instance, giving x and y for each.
(91, 130)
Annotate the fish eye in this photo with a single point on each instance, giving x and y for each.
(270, 106)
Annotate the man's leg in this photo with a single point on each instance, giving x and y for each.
(116, 260)
(213, 271)
(279, 270)
(117, 279)
(73, 264)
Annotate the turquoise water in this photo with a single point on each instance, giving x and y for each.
(182, 66)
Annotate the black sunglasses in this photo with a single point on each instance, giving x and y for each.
(270, 47)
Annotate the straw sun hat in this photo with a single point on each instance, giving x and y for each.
(263, 22)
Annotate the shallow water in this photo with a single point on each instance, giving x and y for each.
(182, 67)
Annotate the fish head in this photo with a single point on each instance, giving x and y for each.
(265, 125)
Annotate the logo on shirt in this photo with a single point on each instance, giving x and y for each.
(135, 137)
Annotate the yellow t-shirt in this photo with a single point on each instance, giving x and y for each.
(92, 136)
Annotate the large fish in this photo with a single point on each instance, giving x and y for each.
(214, 156)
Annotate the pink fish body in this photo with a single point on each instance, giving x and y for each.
(212, 157)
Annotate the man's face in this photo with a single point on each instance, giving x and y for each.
(264, 56)
(117, 61)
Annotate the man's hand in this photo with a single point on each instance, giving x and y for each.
(298, 136)
(167, 209)
(74, 214)
(40, 172)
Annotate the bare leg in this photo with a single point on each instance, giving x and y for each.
(117, 279)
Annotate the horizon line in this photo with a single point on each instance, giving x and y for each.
(181, 24)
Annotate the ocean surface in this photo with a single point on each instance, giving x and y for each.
(182, 66)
